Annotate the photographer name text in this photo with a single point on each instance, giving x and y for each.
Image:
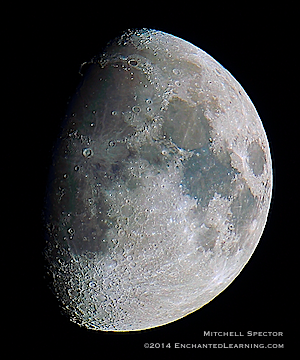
(239, 333)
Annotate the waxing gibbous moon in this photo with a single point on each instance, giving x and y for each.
(160, 185)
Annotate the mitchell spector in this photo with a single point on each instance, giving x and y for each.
(249, 333)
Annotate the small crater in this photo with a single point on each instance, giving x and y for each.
(88, 152)
(92, 284)
(71, 231)
(132, 62)
(136, 109)
(176, 71)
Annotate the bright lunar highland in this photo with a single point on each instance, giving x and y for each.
(160, 185)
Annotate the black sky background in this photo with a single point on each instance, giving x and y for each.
(258, 47)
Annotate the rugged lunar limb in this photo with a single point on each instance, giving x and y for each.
(160, 185)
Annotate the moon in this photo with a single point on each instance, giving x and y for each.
(160, 185)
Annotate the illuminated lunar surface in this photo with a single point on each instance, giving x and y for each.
(160, 185)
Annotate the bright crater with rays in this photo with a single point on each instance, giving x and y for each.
(160, 185)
